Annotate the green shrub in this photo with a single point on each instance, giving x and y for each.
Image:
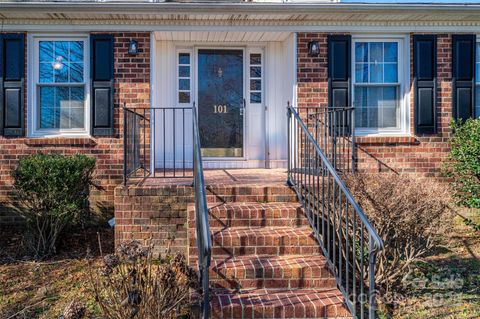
(54, 190)
(464, 162)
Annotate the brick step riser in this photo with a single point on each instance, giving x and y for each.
(258, 240)
(222, 223)
(212, 199)
(272, 283)
(222, 252)
(300, 310)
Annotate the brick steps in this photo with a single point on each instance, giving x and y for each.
(266, 262)
(278, 303)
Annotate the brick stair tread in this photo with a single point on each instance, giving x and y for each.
(278, 303)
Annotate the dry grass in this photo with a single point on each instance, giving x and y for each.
(448, 285)
(31, 289)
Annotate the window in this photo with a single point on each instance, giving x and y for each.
(255, 78)
(61, 92)
(183, 72)
(477, 82)
(377, 86)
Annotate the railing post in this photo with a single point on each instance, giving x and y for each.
(354, 150)
(289, 145)
(371, 277)
(124, 145)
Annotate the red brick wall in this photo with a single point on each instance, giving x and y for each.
(132, 86)
(421, 155)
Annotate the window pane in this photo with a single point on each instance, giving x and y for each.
(255, 71)
(184, 84)
(477, 99)
(376, 52)
(255, 85)
(391, 52)
(256, 97)
(256, 58)
(60, 72)
(45, 72)
(361, 52)
(184, 97)
(361, 72)
(76, 51)
(184, 58)
(390, 73)
(47, 116)
(376, 73)
(61, 50)
(46, 51)
(388, 116)
(184, 71)
(360, 105)
(76, 72)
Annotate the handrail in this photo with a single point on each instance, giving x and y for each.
(204, 241)
(340, 225)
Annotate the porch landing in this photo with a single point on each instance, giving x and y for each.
(221, 177)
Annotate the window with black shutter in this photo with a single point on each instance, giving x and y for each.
(425, 83)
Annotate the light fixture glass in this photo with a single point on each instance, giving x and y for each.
(133, 47)
(313, 48)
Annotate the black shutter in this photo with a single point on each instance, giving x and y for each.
(12, 78)
(339, 66)
(339, 70)
(425, 83)
(463, 80)
(101, 73)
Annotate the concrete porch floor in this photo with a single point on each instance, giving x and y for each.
(220, 177)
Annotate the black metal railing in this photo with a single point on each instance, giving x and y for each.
(346, 237)
(332, 130)
(204, 241)
(158, 142)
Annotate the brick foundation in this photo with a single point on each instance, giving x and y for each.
(132, 86)
(419, 155)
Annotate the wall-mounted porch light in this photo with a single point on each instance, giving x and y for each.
(313, 48)
(133, 47)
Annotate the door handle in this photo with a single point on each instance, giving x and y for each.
(242, 109)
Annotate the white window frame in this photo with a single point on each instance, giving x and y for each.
(261, 78)
(177, 76)
(33, 91)
(403, 80)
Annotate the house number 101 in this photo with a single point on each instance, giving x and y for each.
(219, 109)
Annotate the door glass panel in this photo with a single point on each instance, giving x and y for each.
(220, 102)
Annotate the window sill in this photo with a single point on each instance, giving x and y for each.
(387, 140)
(60, 141)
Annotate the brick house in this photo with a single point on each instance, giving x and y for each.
(122, 81)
